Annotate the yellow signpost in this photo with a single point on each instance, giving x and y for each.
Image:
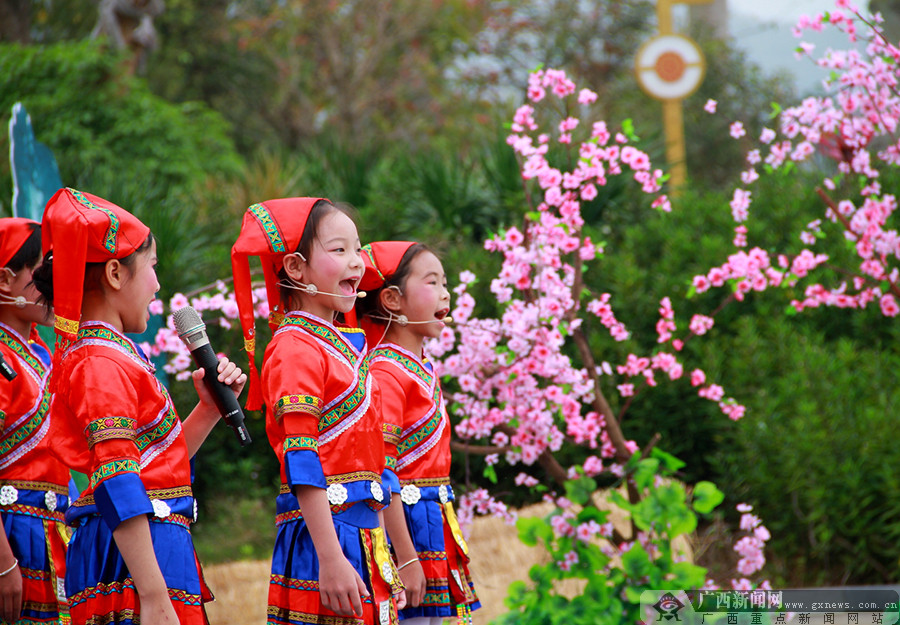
(670, 67)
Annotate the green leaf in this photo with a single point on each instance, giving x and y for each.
(670, 462)
(616, 498)
(490, 473)
(628, 130)
(687, 575)
(580, 490)
(707, 497)
(646, 473)
(515, 594)
(635, 562)
(592, 514)
(533, 529)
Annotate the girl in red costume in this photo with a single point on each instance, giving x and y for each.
(33, 483)
(406, 303)
(331, 563)
(131, 558)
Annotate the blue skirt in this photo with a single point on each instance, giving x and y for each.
(100, 588)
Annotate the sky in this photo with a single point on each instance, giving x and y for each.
(762, 28)
(780, 10)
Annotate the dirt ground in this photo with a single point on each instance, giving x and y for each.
(498, 559)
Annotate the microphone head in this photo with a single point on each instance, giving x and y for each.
(447, 319)
(187, 320)
(360, 294)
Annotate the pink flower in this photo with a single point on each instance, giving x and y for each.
(700, 324)
(713, 392)
(592, 466)
(889, 307)
(177, 302)
(523, 479)
(710, 106)
(740, 203)
(736, 130)
(586, 96)
(570, 560)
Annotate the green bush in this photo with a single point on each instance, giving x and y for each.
(106, 128)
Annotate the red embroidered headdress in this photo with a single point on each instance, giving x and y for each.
(270, 230)
(381, 260)
(14, 231)
(82, 228)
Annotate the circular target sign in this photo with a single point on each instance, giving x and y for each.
(669, 67)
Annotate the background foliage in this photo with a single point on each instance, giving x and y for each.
(244, 103)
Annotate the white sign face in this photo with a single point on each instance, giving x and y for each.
(669, 67)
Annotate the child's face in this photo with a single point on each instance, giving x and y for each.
(138, 291)
(19, 284)
(334, 266)
(425, 295)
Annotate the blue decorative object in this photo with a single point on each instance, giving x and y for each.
(34, 170)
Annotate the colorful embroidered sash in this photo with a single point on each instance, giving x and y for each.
(349, 406)
(151, 439)
(25, 432)
(425, 433)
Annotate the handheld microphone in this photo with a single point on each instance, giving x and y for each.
(5, 370)
(192, 331)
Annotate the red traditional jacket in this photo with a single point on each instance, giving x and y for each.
(320, 417)
(115, 422)
(24, 411)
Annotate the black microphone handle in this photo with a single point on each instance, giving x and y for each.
(5, 370)
(223, 396)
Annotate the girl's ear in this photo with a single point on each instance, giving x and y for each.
(6, 279)
(294, 266)
(115, 274)
(389, 299)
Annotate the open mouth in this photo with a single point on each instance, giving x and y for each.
(443, 312)
(348, 286)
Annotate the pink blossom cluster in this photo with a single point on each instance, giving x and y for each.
(750, 547)
(481, 502)
(668, 363)
(855, 123)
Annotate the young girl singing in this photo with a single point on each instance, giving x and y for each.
(33, 483)
(331, 563)
(131, 557)
(407, 302)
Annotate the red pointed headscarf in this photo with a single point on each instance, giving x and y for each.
(381, 260)
(82, 228)
(14, 231)
(270, 230)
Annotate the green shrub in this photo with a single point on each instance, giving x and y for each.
(105, 128)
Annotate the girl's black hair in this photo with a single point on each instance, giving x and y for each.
(371, 306)
(93, 272)
(30, 253)
(319, 211)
